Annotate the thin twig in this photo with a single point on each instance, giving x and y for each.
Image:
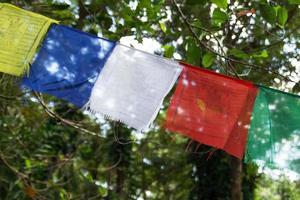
(114, 165)
(19, 174)
(23, 177)
(116, 134)
(9, 98)
(63, 120)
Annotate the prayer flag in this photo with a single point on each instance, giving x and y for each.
(212, 109)
(21, 32)
(68, 64)
(132, 86)
(274, 136)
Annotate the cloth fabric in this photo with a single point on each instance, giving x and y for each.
(68, 64)
(132, 86)
(274, 136)
(212, 109)
(20, 34)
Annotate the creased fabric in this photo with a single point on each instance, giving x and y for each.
(21, 32)
(212, 109)
(274, 135)
(132, 86)
(68, 64)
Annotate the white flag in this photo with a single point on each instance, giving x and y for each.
(132, 85)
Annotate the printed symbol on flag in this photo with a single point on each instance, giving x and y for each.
(201, 105)
(12, 26)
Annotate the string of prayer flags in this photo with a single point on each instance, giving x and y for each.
(274, 136)
(21, 32)
(212, 109)
(132, 85)
(68, 64)
(129, 85)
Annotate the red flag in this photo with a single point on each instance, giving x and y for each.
(212, 109)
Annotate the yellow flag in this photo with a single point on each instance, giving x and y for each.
(21, 32)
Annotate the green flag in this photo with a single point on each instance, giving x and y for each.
(274, 136)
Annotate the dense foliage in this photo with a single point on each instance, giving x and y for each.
(43, 158)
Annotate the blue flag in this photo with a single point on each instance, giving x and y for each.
(68, 64)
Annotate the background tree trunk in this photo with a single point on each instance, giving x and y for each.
(236, 174)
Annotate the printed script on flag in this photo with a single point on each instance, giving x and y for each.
(20, 34)
(212, 109)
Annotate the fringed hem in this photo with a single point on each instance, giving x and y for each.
(87, 107)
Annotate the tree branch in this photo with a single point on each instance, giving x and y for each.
(224, 56)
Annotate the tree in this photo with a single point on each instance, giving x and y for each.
(45, 155)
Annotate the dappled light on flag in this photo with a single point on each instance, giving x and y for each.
(68, 64)
(132, 85)
(212, 109)
(274, 136)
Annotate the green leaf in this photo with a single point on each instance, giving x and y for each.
(168, 51)
(63, 194)
(193, 52)
(59, 6)
(219, 17)
(208, 59)
(103, 191)
(220, 3)
(268, 13)
(282, 16)
(163, 27)
(28, 163)
(262, 54)
(197, 23)
(238, 53)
